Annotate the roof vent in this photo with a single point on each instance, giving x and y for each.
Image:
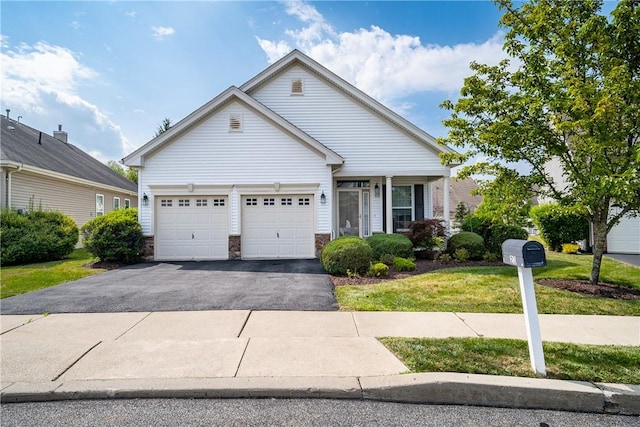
(235, 122)
(296, 87)
(60, 134)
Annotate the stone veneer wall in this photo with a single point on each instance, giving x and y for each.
(235, 247)
(321, 240)
(148, 248)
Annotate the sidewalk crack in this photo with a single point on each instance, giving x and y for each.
(133, 326)
(76, 361)
(467, 325)
(355, 324)
(244, 351)
(246, 320)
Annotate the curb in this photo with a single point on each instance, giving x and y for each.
(429, 388)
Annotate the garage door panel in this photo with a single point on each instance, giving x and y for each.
(191, 228)
(277, 226)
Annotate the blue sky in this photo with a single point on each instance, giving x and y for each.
(109, 72)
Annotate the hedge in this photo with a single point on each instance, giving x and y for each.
(115, 237)
(346, 255)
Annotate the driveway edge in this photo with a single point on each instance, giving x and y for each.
(429, 388)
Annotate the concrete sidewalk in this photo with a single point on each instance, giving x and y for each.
(286, 354)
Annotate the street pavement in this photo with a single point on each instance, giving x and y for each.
(243, 353)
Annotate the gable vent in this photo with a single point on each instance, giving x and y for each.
(296, 87)
(235, 122)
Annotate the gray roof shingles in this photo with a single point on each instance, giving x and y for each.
(31, 147)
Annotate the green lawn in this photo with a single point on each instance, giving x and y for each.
(615, 364)
(494, 290)
(31, 277)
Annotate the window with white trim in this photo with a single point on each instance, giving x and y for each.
(297, 87)
(184, 203)
(252, 202)
(304, 201)
(286, 201)
(267, 201)
(99, 204)
(402, 207)
(166, 203)
(235, 122)
(116, 203)
(218, 202)
(201, 203)
(127, 203)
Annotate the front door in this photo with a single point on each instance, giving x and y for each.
(353, 213)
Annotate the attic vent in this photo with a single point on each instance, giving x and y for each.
(296, 87)
(235, 122)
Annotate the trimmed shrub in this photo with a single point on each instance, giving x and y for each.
(445, 257)
(461, 255)
(427, 233)
(379, 270)
(397, 245)
(570, 248)
(498, 233)
(403, 264)
(344, 254)
(490, 257)
(37, 236)
(387, 259)
(560, 224)
(472, 242)
(115, 237)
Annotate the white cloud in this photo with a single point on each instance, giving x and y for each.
(159, 33)
(40, 79)
(131, 14)
(386, 66)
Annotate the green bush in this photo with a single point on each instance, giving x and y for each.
(445, 257)
(427, 233)
(387, 259)
(397, 245)
(37, 236)
(491, 257)
(379, 269)
(461, 255)
(344, 254)
(498, 233)
(403, 264)
(560, 224)
(115, 236)
(472, 242)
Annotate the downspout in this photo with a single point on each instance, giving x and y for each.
(8, 183)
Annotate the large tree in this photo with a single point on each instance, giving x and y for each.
(129, 173)
(164, 126)
(566, 104)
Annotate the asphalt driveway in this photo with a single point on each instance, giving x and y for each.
(187, 286)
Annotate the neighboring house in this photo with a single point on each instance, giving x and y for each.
(460, 192)
(278, 167)
(623, 238)
(44, 171)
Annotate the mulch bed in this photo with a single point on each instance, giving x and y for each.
(603, 290)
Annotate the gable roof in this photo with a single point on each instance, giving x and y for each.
(26, 147)
(232, 94)
(295, 57)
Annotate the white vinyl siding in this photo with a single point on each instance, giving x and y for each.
(625, 236)
(261, 154)
(370, 145)
(76, 200)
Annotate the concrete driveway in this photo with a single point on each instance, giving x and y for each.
(300, 285)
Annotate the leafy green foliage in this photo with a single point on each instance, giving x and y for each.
(560, 224)
(570, 248)
(344, 254)
(461, 255)
(505, 200)
(427, 233)
(35, 237)
(129, 173)
(567, 100)
(472, 242)
(403, 264)
(116, 236)
(493, 233)
(379, 269)
(397, 245)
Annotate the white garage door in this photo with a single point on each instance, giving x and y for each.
(278, 226)
(191, 228)
(625, 236)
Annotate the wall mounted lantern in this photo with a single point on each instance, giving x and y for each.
(323, 199)
(376, 190)
(145, 199)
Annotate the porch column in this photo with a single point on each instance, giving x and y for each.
(389, 206)
(445, 203)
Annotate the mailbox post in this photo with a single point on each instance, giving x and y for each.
(525, 254)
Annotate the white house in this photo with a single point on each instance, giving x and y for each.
(279, 166)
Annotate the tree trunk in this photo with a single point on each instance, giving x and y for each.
(600, 237)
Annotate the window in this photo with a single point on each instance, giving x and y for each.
(220, 202)
(201, 202)
(297, 87)
(401, 200)
(286, 201)
(166, 203)
(99, 204)
(268, 202)
(116, 203)
(235, 123)
(184, 203)
(127, 203)
(252, 202)
(303, 202)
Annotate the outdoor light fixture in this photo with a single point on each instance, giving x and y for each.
(376, 190)
(323, 199)
(145, 199)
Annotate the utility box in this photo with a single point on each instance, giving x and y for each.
(523, 253)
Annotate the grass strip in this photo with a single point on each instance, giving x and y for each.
(21, 279)
(492, 356)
